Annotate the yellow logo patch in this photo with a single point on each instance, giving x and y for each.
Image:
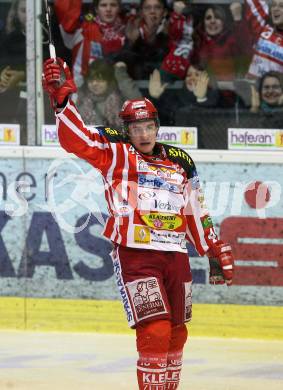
(162, 221)
(174, 152)
(142, 235)
(9, 135)
(111, 131)
(279, 139)
(187, 137)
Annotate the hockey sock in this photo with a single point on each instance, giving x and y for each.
(152, 344)
(173, 372)
(175, 356)
(151, 372)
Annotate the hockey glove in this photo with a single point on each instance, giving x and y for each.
(221, 263)
(51, 82)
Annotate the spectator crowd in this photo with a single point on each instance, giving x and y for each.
(192, 60)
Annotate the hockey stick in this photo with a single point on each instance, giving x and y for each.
(52, 50)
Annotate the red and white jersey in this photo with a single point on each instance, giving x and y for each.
(154, 202)
(268, 47)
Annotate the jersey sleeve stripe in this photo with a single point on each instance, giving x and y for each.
(109, 194)
(76, 130)
(71, 112)
(79, 120)
(91, 129)
(125, 174)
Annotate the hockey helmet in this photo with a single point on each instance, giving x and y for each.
(137, 110)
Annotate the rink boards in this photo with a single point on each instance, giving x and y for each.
(57, 274)
(260, 322)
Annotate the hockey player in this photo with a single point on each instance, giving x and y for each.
(155, 204)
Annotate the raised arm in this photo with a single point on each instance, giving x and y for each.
(91, 144)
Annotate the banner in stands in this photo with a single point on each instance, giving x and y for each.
(9, 134)
(184, 137)
(255, 139)
(52, 213)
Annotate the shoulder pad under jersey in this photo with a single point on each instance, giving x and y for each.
(181, 157)
(112, 135)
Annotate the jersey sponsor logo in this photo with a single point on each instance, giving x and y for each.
(146, 195)
(111, 131)
(188, 301)
(146, 297)
(157, 182)
(141, 235)
(173, 377)
(160, 200)
(174, 152)
(159, 205)
(206, 222)
(212, 235)
(162, 221)
(167, 206)
(122, 290)
(155, 380)
(164, 172)
(144, 166)
(164, 237)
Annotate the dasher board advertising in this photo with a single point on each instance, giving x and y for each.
(9, 134)
(255, 139)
